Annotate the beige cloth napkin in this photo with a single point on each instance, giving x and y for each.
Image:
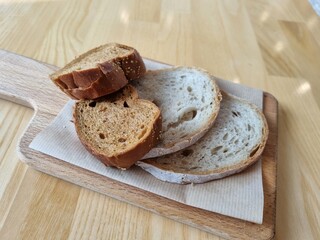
(239, 196)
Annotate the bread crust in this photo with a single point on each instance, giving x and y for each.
(105, 78)
(108, 79)
(125, 159)
(132, 65)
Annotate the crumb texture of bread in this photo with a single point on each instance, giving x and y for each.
(119, 128)
(236, 141)
(99, 71)
(101, 54)
(189, 100)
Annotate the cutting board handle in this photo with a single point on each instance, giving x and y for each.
(25, 81)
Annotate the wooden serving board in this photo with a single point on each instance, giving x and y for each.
(25, 81)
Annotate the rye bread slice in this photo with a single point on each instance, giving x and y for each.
(235, 142)
(118, 129)
(189, 99)
(100, 71)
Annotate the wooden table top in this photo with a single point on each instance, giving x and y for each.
(272, 45)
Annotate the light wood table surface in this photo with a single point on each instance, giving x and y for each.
(269, 44)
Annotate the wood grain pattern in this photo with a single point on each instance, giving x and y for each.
(285, 38)
(14, 87)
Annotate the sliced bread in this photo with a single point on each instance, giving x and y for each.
(118, 129)
(189, 99)
(236, 141)
(100, 71)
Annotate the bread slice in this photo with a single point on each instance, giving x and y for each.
(189, 99)
(119, 128)
(100, 71)
(236, 141)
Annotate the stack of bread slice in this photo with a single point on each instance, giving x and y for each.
(174, 123)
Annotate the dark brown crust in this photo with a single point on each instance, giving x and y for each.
(126, 159)
(133, 65)
(107, 80)
(91, 84)
(85, 78)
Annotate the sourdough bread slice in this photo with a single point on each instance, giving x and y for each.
(236, 141)
(100, 71)
(118, 129)
(189, 99)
